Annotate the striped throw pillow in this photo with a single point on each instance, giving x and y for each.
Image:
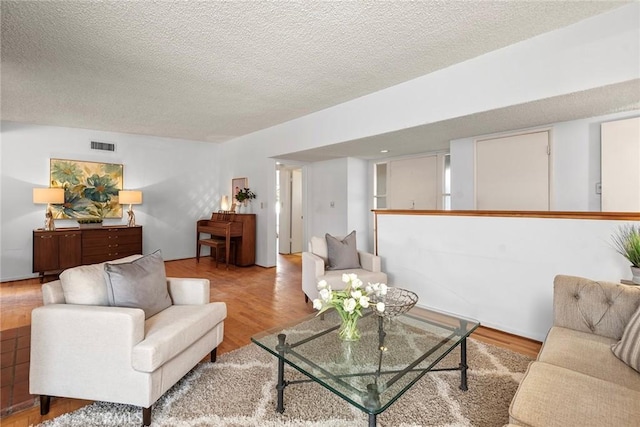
(628, 348)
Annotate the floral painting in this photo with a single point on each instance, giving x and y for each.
(90, 189)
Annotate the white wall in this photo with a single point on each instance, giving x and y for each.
(575, 168)
(177, 177)
(497, 270)
(342, 182)
(328, 185)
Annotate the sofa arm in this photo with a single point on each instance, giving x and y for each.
(602, 308)
(370, 262)
(185, 291)
(312, 271)
(52, 293)
(80, 341)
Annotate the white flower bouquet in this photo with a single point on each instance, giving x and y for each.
(349, 302)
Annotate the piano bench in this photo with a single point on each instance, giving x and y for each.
(216, 245)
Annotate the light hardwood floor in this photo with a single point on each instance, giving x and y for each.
(257, 298)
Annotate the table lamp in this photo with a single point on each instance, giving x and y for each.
(132, 197)
(48, 196)
(224, 203)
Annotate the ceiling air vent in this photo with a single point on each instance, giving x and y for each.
(105, 146)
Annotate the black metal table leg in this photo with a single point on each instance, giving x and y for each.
(281, 384)
(463, 364)
(372, 401)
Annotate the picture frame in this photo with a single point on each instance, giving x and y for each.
(90, 188)
(238, 184)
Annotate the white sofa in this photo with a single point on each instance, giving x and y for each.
(314, 269)
(113, 354)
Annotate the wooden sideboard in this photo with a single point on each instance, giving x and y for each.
(53, 251)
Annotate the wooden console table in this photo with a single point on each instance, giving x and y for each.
(54, 251)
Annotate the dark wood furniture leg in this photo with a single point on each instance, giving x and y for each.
(146, 416)
(214, 354)
(45, 404)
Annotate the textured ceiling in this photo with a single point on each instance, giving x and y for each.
(212, 71)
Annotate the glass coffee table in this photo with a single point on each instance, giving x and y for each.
(372, 373)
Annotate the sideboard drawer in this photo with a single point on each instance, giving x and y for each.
(108, 250)
(109, 243)
(99, 240)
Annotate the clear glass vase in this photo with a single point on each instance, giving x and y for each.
(349, 328)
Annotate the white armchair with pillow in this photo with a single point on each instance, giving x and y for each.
(329, 257)
(121, 332)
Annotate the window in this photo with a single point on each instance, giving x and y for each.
(446, 187)
(380, 186)
(422, 182)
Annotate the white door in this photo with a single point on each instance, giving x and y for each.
(290, 228)
(296, 211)
(413, 183)
(512, 173)
(284, 217)
(620, 147)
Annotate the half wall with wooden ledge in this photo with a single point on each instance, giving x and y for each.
(497, 266)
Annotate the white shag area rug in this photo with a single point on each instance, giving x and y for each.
(239, 390)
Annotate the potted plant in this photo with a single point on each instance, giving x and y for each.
(95, 222)
(244, 196)
(627, 243)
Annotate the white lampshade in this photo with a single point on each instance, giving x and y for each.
(224, 203)
(48, 195)
(131, 197)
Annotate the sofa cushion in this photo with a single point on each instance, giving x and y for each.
(138, 284)
(567, 348)
(86, 284)
(603, 308)
(628, 348)
(318, 246)
(342, 253)
(553, 396)
(171, 331)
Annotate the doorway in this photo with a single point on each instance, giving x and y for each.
(290, 218)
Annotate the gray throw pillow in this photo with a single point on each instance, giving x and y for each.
(138, 284)
(342, 254)
(628, 348)
(86, 285)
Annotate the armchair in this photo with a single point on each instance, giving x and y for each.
(114, 354)
(314, 269)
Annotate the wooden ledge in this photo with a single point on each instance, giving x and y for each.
(616, 216)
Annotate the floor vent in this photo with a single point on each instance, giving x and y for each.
(105, 146)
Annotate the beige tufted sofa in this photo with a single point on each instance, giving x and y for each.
(577, 380)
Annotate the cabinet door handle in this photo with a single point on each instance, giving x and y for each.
(46, 237)
(69, 235)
